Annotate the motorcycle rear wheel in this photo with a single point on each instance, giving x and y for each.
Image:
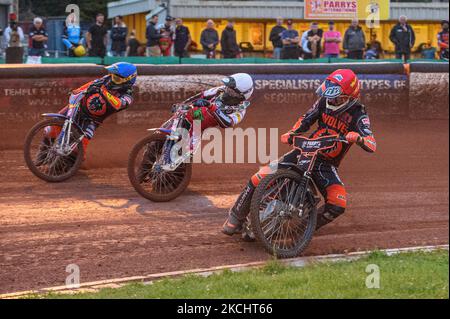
(46, 164)
(157, 186)
(283, 235)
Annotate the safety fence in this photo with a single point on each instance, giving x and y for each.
(176, 60)
(390, 89)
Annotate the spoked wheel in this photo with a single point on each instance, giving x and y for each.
(277, 222)
(147, 176)
(42, 157)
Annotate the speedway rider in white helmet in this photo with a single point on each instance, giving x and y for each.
(223, 106)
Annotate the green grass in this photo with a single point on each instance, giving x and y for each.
(406, 275)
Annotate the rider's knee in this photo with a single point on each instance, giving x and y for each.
(263, 172)
(337, 196)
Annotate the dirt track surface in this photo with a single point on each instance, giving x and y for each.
(398, 197)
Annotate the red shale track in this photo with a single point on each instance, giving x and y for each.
(398, 197)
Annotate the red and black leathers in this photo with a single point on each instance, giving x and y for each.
(325, 172)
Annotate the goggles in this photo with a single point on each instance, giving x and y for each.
(120, 80)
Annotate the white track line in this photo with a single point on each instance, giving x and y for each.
(148, 279)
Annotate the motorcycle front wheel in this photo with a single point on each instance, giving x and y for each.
(148, 178)
(276, 220)
(41, 156)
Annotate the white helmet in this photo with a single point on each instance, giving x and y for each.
(239, 83)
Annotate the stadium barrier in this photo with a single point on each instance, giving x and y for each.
(388, 89)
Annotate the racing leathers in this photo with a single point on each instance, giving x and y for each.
(103, 98)
(354, 124)
(212, 109)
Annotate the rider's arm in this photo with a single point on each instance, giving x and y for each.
(227, 120)
(303, 124)
(364, 136)
(120, 102)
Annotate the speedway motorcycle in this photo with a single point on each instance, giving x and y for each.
(283, 211)
(53, 149)
(160, 165)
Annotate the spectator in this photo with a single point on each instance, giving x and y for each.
(230, 48)
(13, 34)
(275, 37)
(403, 37)
(306, 53)
(331, 39)
(96, 37)
(169, 34)
(375, 46)
(371, 53)
(119, 33)
(314, 37)
(165, 42)
(427, 51)
(38, 36)
(182, 39)
(354, 41)
(291, 40)
(153, 37)
(133, 45)
(443, 41)
(209, 40)
(72, 35)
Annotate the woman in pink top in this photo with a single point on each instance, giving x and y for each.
(332, 38)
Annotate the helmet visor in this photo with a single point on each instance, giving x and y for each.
(120, 80)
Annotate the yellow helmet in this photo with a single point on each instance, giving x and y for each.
(79, 51)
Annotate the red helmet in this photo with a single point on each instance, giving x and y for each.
(341, 90)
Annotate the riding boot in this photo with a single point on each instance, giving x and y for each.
(238, 213)
(327, 213)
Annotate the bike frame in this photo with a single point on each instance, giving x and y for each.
(63, 147)
(310, 156)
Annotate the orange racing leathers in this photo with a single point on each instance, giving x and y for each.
(354, 124)
(103, 98)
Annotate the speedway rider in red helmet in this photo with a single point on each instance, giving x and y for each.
(337, 111)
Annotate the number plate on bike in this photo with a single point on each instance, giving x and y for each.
(312, 145)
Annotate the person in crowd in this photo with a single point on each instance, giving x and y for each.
(119, 33)
(133, 45)
(182, 39)
(314, 36)
(209, 39)
(403, 37)
(165, 42)
(168, 36)
(72, 37)
(275, 38)
(443, 41)
(96, 37)
(13, 34)
(291, 40)
(230, 47)
(38, 37)
(331, 39)
(354, 41)
(305, 51)
(371, 53)
(376, 48)
(427, 51)
(153, 36)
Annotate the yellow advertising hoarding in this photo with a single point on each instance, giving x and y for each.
(346, 9)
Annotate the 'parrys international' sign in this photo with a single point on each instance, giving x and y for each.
(346, 9)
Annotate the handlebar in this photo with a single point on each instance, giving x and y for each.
(181, 107)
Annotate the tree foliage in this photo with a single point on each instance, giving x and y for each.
(56, 8)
